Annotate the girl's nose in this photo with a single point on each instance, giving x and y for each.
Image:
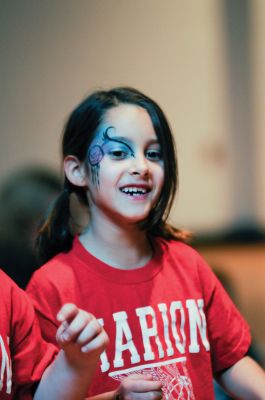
(139, 166)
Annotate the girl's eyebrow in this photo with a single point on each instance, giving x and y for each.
(124, 140)
(129, 142)
(118, 139)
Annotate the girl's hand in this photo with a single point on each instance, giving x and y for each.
(138, 387)
(80, 335)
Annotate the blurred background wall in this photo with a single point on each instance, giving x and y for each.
(203, 62)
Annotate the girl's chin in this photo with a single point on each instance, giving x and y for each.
(133, 219)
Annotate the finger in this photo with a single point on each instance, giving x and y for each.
(141, 385)
(152, 395)
(137, 377)
(89, 332)
(155, 395)
(67, 312)
(77, 325)
(99, 343)
(61, 329)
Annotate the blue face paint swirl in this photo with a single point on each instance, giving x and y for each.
(97, 151)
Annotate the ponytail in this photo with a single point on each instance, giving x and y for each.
(54, 235)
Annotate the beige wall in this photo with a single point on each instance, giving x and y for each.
(258, 55)
(54, 52)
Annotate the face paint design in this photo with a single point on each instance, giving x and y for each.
(95, 155)
(97, 151)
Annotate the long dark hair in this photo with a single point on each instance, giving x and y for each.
(55, 234)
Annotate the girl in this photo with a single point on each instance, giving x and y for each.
(171, 324)
(24, 355)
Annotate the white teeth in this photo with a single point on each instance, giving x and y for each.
(133, 190)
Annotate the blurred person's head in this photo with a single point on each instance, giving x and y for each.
(25, 195)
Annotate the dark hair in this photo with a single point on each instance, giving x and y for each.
(55, 235)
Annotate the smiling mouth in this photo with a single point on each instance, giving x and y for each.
(134, 191)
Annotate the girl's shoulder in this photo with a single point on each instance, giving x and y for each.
(184, 256)
(62, 270)
(178, 247)
(57, 269)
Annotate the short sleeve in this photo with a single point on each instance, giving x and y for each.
(228, 332)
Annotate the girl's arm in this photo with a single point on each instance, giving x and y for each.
(82, 340)
(245, 380)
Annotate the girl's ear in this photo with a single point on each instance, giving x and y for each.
(75, 171)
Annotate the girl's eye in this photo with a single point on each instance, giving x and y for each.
(154, 155)
(119, 154)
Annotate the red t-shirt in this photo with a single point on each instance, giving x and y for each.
(23, 353)
(170, 318)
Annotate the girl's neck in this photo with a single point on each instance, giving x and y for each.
(121, 247)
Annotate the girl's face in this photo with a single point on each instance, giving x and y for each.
(126, 172)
